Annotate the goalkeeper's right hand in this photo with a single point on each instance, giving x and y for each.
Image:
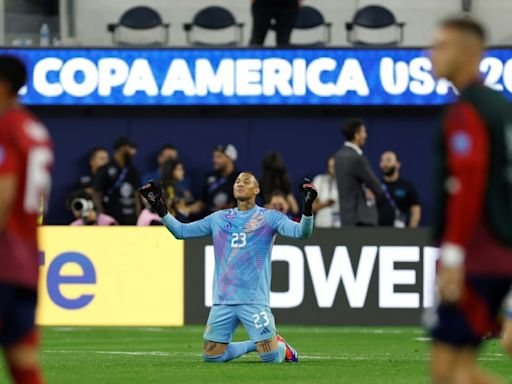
(153, 192)
(309, 194)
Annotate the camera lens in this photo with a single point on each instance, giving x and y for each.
(78, 205)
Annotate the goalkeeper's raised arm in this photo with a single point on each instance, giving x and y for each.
(153, 193)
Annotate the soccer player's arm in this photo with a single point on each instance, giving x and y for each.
(8, 181)
(289, 228)
(181, 230)
(468, 149)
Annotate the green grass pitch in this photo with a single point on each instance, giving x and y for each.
(172, 355)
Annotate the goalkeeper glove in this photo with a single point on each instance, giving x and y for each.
(153, 192)
(309, 194)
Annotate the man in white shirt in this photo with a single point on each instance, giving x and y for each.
(326, 207)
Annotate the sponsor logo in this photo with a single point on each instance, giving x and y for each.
(392, 264)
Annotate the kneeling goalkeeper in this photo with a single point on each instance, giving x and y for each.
(243, 239)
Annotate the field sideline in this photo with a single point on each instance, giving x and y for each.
(172, 355)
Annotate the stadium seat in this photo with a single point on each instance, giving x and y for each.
(140, 19)
(374, 17)
(214, 18)
(310, 18)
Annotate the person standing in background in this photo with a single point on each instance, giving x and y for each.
(172, 173)
(399, 205)
(326, 207)
(283, 12)
(358, 186)
(218, 185)
(115, 185)
(279, 203)
(165, 153)
(275, 178)
(97, 157)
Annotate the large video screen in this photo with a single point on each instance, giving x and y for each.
(244, 76)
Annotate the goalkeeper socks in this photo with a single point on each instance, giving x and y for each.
(233, 351)
(276, 356)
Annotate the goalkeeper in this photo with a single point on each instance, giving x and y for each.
(243, 239)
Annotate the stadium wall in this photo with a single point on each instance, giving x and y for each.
(304, 139)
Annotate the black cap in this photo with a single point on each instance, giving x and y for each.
(124, 142)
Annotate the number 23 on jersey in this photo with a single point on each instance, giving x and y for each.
(239, 240)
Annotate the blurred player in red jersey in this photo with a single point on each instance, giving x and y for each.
(475, 207)
(26, 158)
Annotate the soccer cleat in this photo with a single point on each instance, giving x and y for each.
(291, 354)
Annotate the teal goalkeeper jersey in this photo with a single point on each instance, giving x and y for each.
(243, 243)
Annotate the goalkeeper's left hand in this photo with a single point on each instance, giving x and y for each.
(309, 194)
(153, 192)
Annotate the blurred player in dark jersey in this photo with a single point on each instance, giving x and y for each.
(475, 207)
(26, 158)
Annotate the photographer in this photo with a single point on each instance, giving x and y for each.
(81, 204)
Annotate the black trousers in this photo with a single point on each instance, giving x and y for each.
(284, 13)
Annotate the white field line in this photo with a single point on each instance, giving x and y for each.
(347, 357)
(350, 330)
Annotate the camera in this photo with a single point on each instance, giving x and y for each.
(81, 207)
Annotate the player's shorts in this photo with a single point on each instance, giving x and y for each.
(223, 320)
(17, 313)
(476, 315)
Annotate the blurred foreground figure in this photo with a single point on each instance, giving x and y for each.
(475, 207)
(26, 158)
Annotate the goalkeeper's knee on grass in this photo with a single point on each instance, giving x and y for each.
(276, 356)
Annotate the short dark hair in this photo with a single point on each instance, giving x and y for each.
(350, 128)
(93, 152)
(166, 146)
(124, 142)
(466, 25)
(13, 72)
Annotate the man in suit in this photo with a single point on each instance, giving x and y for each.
(357, 184)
